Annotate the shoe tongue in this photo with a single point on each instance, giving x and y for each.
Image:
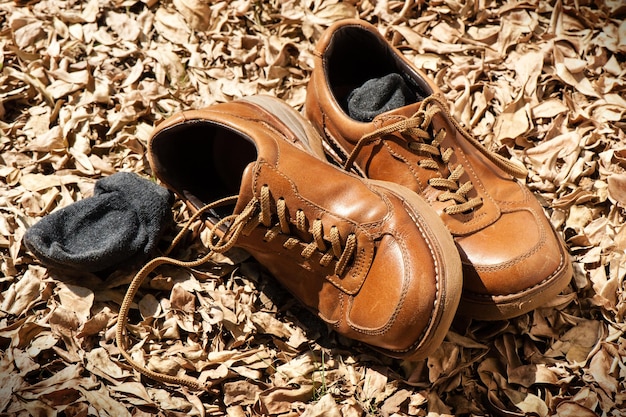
(245, 190)
(379, 95)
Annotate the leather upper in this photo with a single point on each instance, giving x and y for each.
(399, 289)
(508, 247)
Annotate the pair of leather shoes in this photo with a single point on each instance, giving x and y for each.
(414, 220)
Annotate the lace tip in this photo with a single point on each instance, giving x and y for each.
(520, 170)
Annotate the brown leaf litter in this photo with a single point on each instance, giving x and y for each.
(81, 88)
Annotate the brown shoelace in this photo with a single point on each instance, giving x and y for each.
(257, 213)
(417, 126)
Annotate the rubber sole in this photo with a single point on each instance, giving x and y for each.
(503, 307)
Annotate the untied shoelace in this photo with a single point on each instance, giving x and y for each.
(256, 213)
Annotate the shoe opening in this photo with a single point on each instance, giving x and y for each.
(203, 162)
(360, 63)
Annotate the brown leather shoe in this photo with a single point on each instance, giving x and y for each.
(384, 119)
(371, 258)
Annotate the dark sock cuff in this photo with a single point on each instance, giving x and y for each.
(379, 95)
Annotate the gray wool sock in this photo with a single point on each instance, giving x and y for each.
(120, 224)
(377, 96)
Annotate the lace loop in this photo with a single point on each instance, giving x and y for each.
(122, 318)
(281, 211)
(417, 127)
(265, 215)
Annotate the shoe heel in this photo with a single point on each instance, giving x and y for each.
(310, 140)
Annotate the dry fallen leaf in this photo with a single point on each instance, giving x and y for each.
(82, 86)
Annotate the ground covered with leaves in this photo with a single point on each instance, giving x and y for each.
(82, 85)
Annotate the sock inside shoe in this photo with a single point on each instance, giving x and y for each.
(120, 224)
(379, 95)
(363, 68)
